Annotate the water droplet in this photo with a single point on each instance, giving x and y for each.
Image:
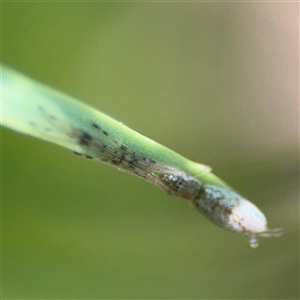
(253, 241)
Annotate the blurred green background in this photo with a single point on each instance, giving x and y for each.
(216, 82)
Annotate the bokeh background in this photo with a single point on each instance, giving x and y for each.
(216, 82)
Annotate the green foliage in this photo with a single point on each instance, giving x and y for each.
(211, 81)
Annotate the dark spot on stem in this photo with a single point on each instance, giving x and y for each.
(85, 139)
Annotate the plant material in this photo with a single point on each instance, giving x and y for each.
(37, 110)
